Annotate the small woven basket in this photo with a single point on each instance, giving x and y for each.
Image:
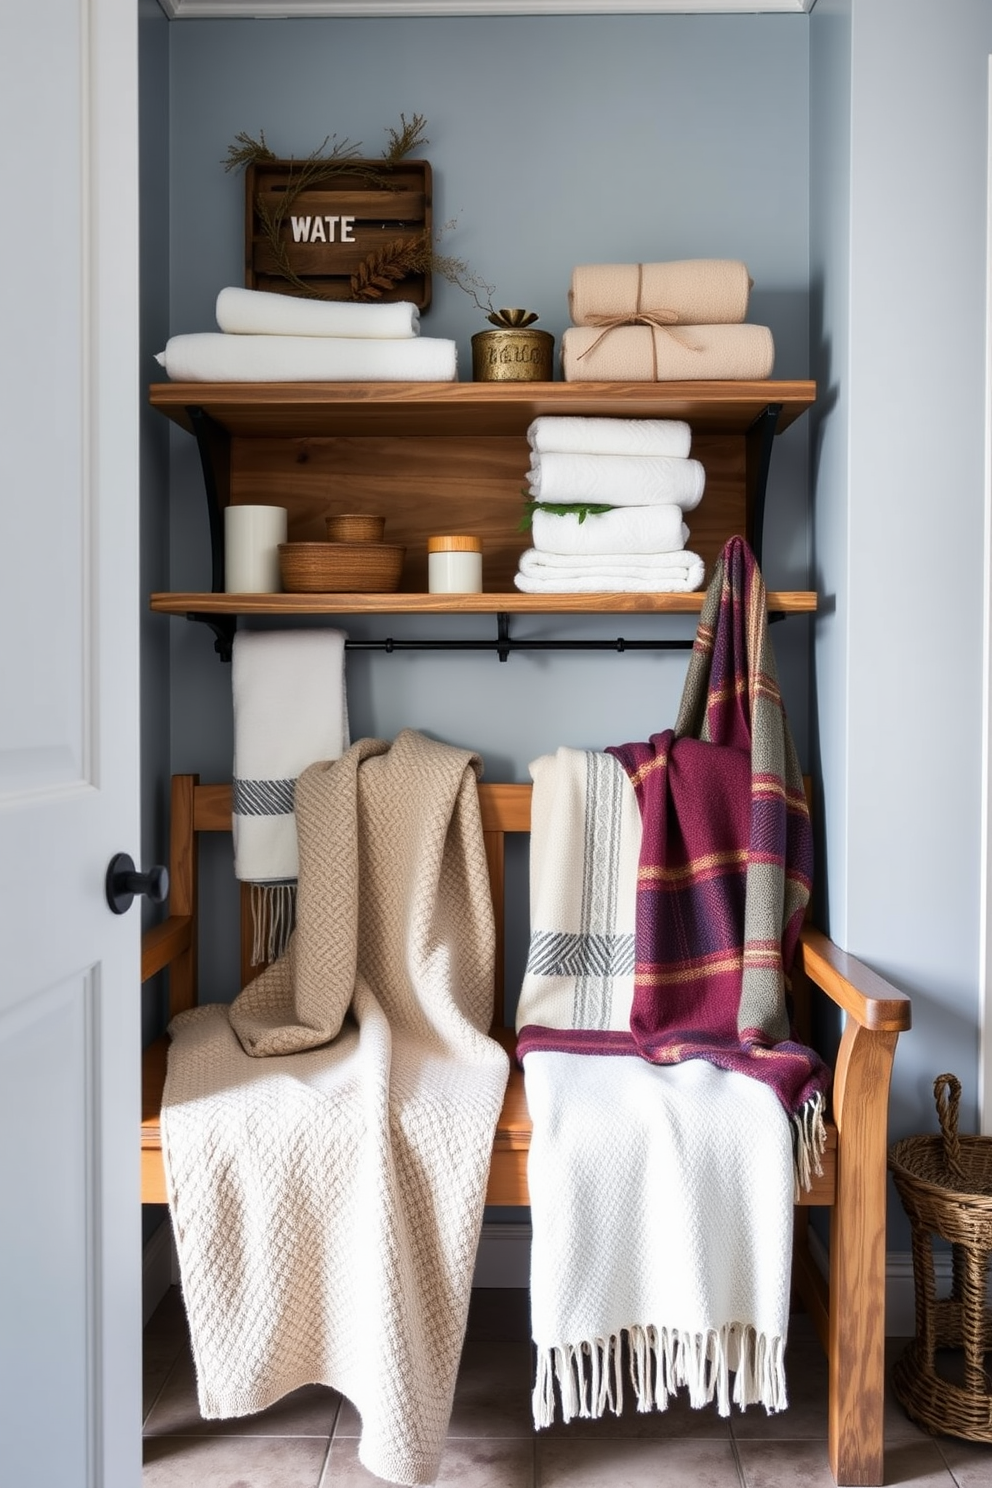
(945, 1184)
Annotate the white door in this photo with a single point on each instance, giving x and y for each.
(69, 1041)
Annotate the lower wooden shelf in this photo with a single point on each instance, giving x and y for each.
(786, 602)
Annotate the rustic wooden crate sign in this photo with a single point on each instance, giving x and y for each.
(343, 226)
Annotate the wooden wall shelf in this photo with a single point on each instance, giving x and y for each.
(453, 457)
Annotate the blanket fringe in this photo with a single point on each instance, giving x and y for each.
(661, 1361)
(273, 915)
(809, 1141)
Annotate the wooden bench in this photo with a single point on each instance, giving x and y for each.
(848, 1310)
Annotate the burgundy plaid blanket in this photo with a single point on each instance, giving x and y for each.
(725, 867)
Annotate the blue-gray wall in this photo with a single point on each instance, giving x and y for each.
(843, 156)
(899, 193)
(554, 142)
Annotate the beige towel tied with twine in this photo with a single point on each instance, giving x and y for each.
(644, 353)
(694, 291)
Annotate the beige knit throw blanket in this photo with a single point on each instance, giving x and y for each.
(327, 1199)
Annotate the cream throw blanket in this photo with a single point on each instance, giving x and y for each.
(327, 1203)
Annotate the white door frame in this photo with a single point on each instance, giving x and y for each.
(985, 910)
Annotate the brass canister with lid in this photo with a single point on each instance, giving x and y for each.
(514, 351)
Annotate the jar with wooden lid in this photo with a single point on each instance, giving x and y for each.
(454, 565)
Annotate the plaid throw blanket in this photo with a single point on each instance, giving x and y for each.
(726, 862)
(724, 872)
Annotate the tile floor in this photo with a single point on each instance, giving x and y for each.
(310, 1438)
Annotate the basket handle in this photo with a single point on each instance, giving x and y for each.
(947, 1093)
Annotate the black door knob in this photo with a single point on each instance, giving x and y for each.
(124, 881)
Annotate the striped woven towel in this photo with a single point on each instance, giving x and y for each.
(289, 711)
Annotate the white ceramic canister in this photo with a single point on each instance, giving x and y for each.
(454, 565)
(252, 535)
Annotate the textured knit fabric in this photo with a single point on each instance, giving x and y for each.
(327, 1203)
(726, 860)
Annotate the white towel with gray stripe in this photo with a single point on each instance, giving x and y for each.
(585, 841)
(289, 711)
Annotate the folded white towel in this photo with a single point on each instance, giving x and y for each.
(609, 436)
(254, 312)
(211, 356)
(289, 711)
(608, 573)
(624, 529)
(616, 480)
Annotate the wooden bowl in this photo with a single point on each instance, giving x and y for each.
(355, 527)
(340, 568)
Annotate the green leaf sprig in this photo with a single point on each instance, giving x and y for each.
(580, 509)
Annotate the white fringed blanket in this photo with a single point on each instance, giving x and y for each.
(661, 1200)
(327, 1203)
(661, 1196)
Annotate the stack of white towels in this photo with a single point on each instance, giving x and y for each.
(641, 471)
(282, 338)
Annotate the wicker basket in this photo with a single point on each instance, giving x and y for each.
(945, 1184)
(361, 527)
(340, 568)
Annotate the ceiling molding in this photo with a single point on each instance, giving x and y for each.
(181, 10)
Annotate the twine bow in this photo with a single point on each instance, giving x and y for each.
(658, 320)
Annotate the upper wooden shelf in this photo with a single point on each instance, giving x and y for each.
(468, 409)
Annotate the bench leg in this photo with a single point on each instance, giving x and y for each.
(857, 1259)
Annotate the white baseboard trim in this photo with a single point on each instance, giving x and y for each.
(157, 1269)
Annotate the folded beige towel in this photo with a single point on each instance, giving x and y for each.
(691, 291)
(638, 353)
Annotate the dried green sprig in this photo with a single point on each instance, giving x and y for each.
(409, 136)
(246, 150)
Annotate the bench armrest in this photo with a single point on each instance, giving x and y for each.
(872, 1001)
(163, 943)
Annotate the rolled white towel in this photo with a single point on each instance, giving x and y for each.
(211, 356)
(608, 573)
(609, 436)
(255, 312)
(616, 480)
(624, 529)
